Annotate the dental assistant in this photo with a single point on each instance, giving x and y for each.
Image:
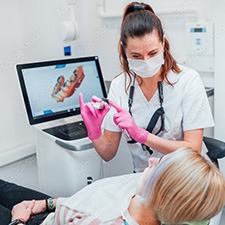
(157, 104)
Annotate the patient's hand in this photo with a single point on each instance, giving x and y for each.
(23, 210)
(39, 207)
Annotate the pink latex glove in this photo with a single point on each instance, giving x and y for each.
(124, 120)
(93, 117)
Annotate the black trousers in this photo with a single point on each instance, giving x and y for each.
(11, 194)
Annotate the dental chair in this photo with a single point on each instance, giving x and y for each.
(216, 150)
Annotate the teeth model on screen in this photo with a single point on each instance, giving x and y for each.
(64, 89)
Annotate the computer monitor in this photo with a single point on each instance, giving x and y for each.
(50, 89)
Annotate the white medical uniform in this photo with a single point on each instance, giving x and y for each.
(98, 203)
(185, 104)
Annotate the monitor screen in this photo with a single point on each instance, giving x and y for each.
(50, 89)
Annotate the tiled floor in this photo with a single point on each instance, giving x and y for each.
(222, 220)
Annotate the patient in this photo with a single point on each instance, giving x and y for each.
(180, 188)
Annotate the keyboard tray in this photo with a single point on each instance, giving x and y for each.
(69, 132)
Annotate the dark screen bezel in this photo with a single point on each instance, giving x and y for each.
(50, 117)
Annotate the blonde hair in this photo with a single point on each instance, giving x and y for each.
(185, 187)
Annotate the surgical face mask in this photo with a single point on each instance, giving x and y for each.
(146, 68)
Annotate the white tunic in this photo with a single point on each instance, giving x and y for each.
(185, 104)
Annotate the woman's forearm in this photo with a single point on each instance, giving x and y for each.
(107, 145)
(192, 139)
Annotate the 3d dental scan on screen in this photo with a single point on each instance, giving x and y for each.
(50, 89)
(64, 89)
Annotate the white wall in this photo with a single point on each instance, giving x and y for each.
(31, 33)
(23, 172)
(14, 130)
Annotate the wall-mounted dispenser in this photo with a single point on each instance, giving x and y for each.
(199, 38)
(200, 45)
(69, 30)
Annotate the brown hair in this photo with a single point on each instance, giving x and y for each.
(138, 20)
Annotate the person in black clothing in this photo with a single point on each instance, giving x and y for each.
(11, 194)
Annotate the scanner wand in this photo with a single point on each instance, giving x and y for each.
(100, 105)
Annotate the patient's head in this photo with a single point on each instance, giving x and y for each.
(185, 187)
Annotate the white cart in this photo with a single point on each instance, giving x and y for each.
(64, 167)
